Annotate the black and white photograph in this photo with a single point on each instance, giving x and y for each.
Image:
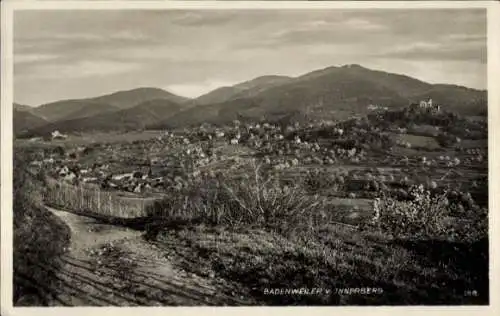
(249, 156)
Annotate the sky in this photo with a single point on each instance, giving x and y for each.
(78, 54)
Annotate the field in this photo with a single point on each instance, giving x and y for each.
(92, 138)
(301, 205)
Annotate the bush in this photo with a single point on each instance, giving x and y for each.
(425, 215)
(317, 179)
(252, 201)
(59, 151)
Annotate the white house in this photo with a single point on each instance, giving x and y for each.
(48, 160)
(36, 163)
(124, 176)
(63, 171)
(70, 177)
(57, 135)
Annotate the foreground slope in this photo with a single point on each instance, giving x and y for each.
(109, 265)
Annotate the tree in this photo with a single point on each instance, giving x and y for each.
(59, 151)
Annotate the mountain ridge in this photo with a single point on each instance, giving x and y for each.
(322, 93)
(349, 88)
(137, 117)
(245, 88)
(59, 110)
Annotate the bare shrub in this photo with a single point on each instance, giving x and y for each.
(254, 200)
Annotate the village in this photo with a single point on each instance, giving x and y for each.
(364, 155)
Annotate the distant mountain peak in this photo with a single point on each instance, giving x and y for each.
(140, 89)
(119, 100)
(132, 97)
(358, 66)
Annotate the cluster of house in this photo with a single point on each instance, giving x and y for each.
(136, 181)
(428, 106)
(75, 173)
(297, 147)
(259, 136)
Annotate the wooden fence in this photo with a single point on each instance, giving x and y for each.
(94, 200)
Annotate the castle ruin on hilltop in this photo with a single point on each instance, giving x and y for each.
(428, 106)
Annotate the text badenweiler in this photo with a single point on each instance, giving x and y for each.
(322, 291)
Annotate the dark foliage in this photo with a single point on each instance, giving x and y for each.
(39, 237)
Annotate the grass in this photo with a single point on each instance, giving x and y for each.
(422, 142)
(470, 143)
(225, 233)
(96, 200)
(337, 257)
(98, 137)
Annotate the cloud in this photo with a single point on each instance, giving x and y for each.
(466, 73)
(458, 48)
(315, 24)
(32, 58)
(196, 89)
(75, 41)
(463, 37)
(361, 24)
(318, 31)
(193, 18)
(81, 69)
(193, 51)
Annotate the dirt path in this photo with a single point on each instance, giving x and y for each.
(110, 265)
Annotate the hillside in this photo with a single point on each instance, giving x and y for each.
(326, 92)
(321, 93)
(90, 110)
(138, 117)
(70, 109)
(244, 89)
(262, 82)
(463, 100)
(22, 107)
(60, 110)
(24, 120)
(131, 98)
(404, 85)
(329, 93)
(218, 95)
